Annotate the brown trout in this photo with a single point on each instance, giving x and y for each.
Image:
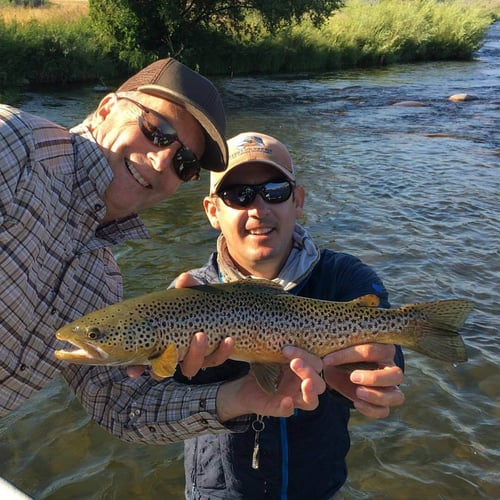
(156, 329)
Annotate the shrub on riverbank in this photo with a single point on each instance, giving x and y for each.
(67, 48)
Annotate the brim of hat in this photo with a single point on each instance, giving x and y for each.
(277, 166)
(215, 156)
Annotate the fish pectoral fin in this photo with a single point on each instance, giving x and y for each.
(369, 300)
(268, 376)
(164, 365)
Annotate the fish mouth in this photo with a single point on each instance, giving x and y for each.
(137, 176)
(85, 354)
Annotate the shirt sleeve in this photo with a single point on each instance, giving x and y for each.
(15, 154)
(145, 410)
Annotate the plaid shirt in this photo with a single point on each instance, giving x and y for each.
(56, 265)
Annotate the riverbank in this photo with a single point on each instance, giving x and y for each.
(59, 44)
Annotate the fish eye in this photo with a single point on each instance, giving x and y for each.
(94, 333)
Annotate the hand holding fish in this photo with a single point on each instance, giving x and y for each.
(299, 387)
(196, 358)
(373, 392)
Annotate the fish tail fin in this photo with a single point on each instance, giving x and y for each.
(439, 336)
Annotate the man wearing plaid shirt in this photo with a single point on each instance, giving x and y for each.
(65, 198)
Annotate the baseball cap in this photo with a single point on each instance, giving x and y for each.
(254, 147)
(169, 79)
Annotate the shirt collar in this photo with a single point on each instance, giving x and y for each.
(93, 176)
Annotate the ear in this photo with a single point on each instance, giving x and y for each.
(104, 109)
(210, 206)
(299, 196)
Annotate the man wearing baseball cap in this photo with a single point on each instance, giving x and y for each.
(255, 204)
(67, 196)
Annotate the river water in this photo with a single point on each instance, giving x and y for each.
(413, 191)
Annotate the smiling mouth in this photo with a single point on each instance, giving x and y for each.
(260, 231)
(137, 176)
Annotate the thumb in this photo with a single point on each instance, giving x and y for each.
(186, 280)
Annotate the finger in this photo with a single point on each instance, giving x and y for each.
(193, 361)
(309, 395)
(286, 407)
(135, 371)
(387, 376)
(371, 411)
(185, 280)
(314, 361)
(386, 397)
(340, 382)
(306, 372)
(381, 353)
(221, 354)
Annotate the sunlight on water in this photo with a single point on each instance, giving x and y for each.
(414, 192)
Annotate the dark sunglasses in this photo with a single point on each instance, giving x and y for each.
(157, 129)
(242, 195)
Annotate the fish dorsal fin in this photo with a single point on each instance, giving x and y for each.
(369, 300)
(260, 284)
(268, 376)
(252, 285)
(164, 365)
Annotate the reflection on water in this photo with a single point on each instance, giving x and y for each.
(411, 190)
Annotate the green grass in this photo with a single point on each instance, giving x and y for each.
(52, 45)
(370, 33)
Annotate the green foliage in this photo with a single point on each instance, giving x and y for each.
(220, 37)
(49, 52)
(391, 31)
(171, 27)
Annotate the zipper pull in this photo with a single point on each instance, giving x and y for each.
(257, 426)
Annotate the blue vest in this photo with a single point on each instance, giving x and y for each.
(302, 456)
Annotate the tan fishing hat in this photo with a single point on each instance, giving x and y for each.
(254, 147)
(172, 80)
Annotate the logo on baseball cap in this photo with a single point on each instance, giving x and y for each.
(254, 147)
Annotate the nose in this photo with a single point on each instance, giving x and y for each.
(161, 159)
(258, 206)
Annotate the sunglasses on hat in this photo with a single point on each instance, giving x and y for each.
(157, 129)
(242, 195)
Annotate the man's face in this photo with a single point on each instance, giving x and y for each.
(258, 236)
(143, 173)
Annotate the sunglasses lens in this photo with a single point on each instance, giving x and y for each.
(238, 195)
(186, 165)
(242, 195)
(276, 192)
(157, 129)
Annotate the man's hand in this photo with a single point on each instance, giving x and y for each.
(195, 359)
(300, 387)
(373, 392)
